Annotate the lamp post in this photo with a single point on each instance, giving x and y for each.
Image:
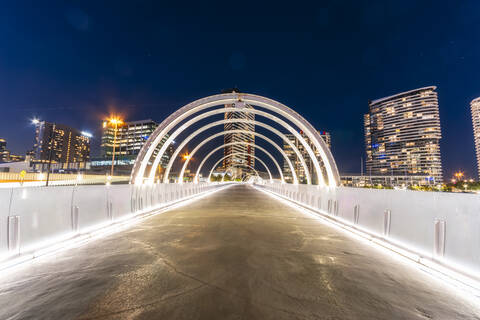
(52, 136)
(114, 122)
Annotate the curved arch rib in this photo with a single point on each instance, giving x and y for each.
(216, 164)
(245, 143)
(289, 162)
(229, 98)
(262, 113)
(256, 173)
(195, 179)
(229, 169)
(220, 122)
(308, 129)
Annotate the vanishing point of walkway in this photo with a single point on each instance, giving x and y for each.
(238, 254)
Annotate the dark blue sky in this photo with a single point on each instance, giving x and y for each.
(72, 62)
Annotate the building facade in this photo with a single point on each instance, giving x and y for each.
(402, 135)
(239, 157)
(297, 165)
(385, 181)
(4, 154)
(475, 108)
(60, 144)
(129, 140)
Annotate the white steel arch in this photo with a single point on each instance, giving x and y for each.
(245, 143)
(216, 123)
(223, 110)
(229, 169)
(243, 153)
(261, 124)
(216, 164)
(230, 98)
(289, 162)
(256, 172)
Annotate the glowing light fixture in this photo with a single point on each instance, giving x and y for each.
(86, 134)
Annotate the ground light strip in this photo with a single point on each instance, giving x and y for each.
(469, 288)
(100, 231)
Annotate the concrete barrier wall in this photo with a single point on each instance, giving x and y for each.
(41, 213)
(32, 217)
(444, 227)
(5, 196)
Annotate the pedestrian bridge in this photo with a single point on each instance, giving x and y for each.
(258, 250)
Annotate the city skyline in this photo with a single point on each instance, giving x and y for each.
(333, 62)
(97, 147)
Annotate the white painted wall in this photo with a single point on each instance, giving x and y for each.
(412, 218)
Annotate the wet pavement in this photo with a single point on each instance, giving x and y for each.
(238, 254)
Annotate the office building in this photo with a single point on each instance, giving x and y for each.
(475, 108)
(402, 135)
(59, 143)
(129, 140)
(297, 165)
(240, 156)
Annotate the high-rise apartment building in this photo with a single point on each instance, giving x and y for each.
(297, 165)
(130, 138)
(4, 154)
(240, 157)
(475, 108)
(60, 144)
(402, 135)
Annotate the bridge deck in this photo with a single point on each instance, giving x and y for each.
(237, 254)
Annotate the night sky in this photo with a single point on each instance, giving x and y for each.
(74, 62)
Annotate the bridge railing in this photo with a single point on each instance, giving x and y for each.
(433, 226)
(32, 218)
(15, 179)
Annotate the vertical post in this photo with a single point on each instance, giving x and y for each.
(356, 213)
(439, 241)
(387, 215)
(52, 135)
(74, 218)
(13, 235)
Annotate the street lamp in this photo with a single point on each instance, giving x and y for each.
(115, 122)
(52, 136)
(458, 175)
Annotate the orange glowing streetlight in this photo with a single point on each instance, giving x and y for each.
(459, 175)
(186, 156)
(115, 122)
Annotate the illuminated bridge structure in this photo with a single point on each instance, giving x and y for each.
(285, 242)
(206, 108)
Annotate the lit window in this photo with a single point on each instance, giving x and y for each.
(408, 115)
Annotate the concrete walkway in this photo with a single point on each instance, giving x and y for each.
(237, 254)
